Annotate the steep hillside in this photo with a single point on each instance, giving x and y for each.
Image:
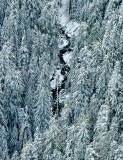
(61, 80)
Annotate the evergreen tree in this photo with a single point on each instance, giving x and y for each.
(42, 108)
(3, 142)
(15, 156)
(51, 143)
(82, 140)
(25, 130)
(114, 94)
(12, 101)
(29, 152)
(101, 141)
(90, 153)
(102, 83)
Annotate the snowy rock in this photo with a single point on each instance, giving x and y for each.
(63, 43)
(71, 28)
(67, 57)
(56, 79)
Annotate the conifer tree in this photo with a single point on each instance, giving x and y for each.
(52, 143)
(3, 142)
(29, 152)
(102, 83)
(42, 108)
(12, 101)
(115, 92)
(82, 140)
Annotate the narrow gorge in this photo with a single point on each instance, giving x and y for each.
(62, 70)
(59, 77)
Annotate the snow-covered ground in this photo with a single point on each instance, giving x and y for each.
(67, 58)
(64, 12)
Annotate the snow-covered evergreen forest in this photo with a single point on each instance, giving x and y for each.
(61, 79)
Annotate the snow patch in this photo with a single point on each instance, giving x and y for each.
(56, 79)
(67, 57)
(71, 28)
